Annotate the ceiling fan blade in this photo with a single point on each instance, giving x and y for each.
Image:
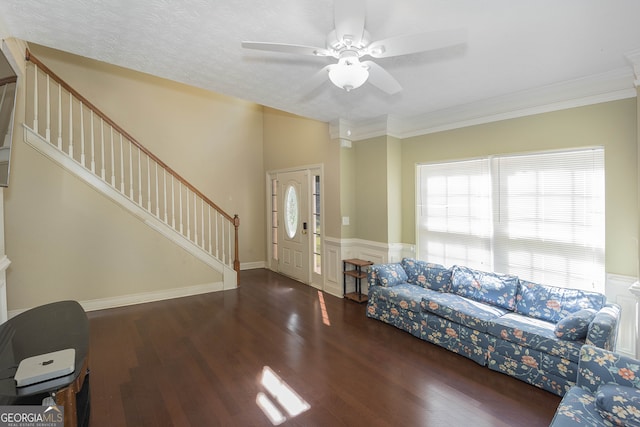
(380, 78)
(414, 43)
(349, 16)
(287, 48)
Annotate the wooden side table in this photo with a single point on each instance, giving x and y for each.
(41, 330)
(353, 268)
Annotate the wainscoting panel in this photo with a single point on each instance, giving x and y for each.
(617, 290)
(332, 267)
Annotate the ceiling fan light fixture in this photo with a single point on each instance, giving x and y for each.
(348, 74)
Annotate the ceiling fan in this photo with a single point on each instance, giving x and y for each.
(350, 42)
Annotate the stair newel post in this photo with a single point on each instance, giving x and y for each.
(236, 260)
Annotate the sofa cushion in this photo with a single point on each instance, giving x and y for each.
(427, 275)
(576, 325)
(619, 404)
(534, 333)
(404, 296)
(577, 408)
(492, 288)
(389, 274)
(540, 360)
(553, 303)
(461, 310)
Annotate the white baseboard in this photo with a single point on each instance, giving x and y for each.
(252, 265)
(141, 298)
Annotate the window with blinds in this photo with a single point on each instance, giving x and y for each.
(539, 216)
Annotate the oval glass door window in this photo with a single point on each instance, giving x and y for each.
(291, 211)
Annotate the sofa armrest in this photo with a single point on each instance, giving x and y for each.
(603, 330)
(598, 366)
(386, 275)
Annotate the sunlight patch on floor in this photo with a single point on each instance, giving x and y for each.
(279, 398)
(323, 308)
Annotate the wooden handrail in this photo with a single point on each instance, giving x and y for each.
(233, 219)
(8, 80)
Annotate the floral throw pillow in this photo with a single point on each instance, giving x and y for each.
(619, 404)
(391, 274)
(576, 325)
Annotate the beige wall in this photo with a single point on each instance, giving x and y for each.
(371, 216)
(612, 125)
(66, 241)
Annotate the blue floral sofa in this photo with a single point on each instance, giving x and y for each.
(530, 331)
(607, 392)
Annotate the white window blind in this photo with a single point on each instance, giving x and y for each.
(549, 226)
(539, 216)
(454, 213)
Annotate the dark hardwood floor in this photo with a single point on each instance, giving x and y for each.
(198, 361)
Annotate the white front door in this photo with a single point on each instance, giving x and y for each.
(293, 225)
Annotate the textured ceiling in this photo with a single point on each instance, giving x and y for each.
(520, 55)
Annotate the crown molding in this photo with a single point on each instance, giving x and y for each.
(610, 86)
(634, 59)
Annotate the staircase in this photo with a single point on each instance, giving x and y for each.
(67, 128)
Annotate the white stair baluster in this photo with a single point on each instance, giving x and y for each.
(35, 99)
(102, 169)
(93, 147)
(70, 125)
(209, 210)
(148, 184)
(181, 222)
(130, 170)
(202, 223)
(59, 117)
(188, 214)
(157, 198)
(121, 166)
(230, 240)
(217, 236)
(113, 159)
(173, 203)
(82, 156)
(164, 185)
(48, 129)
(139, 177)
(195, 218)
(224, 252)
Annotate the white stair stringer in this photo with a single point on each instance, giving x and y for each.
(230, 276)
